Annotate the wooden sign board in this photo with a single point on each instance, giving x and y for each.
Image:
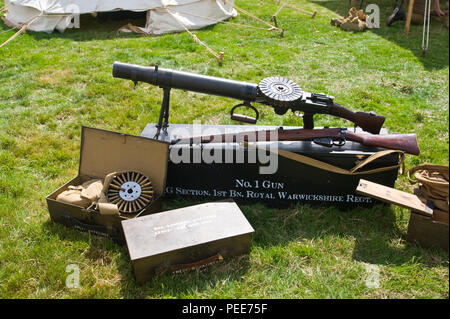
(393, 196)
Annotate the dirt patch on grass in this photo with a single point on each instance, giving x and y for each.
(54, 76)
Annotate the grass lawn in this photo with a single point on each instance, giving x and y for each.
(52, 84)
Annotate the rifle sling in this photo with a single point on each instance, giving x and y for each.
(334, 169)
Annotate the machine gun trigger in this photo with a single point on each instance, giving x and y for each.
(244, 118)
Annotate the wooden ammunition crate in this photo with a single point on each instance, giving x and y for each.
(101, 153)
(429, 231)
(186, 238)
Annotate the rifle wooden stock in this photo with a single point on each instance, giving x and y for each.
(369, 122)
(403, 142)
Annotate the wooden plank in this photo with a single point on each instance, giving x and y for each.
(393, 196)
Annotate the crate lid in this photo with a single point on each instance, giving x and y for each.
(103, 152)
(184, 227)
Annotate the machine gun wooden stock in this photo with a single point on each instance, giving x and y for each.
(326, 137)
(280, 93)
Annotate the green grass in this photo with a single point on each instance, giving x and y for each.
(52, 84)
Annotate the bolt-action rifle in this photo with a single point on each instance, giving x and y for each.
(326, 137)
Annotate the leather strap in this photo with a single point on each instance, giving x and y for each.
(189, 266)
(433, 181)
(334, 169)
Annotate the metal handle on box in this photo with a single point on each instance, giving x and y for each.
(185, 267)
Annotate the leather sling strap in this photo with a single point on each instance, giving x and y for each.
(190, 266)
(334, 169)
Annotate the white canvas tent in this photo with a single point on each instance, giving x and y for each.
(163, 16)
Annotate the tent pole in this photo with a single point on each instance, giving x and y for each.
(23, 29)
(219, 56)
